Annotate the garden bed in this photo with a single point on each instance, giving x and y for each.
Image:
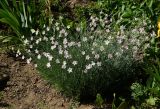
(27, 90)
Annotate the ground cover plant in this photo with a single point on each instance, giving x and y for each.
(97, 60)
(102, 53)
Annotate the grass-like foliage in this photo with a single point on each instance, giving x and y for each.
(84, 63)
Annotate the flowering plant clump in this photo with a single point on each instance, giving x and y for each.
(86, 62)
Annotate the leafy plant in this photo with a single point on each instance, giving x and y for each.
(20, 16)
(99, 100)
(122, 105)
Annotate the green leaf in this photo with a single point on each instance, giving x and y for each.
(123, 105)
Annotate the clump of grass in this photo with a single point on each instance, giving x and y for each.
(86, 62)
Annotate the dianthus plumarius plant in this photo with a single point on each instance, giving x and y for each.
(84, 63)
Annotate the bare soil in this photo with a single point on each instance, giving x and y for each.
(23, 88)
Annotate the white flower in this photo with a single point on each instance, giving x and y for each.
(71, 44)
(110, 56)
(64, 62)
(119, 41)
(45, 38)
(39, 56)
(50, 58)
(53, 47)
(57, 61)
(57, 28)
(74, 62)
(62, 31)
(87, 57)
(56, 24)
(101, 48)
(110, 37)
(93, 63)
(96, 56)
(23, 57)
(93, 52)
(29, 60)
(91, 37)
(64, 41)
(99, 64)
(48, 65)
(22, 37)
(44, 26)
(122, 27)
(60, 51)
(85, 71)
(52, 38)
(33, 31)
(79, 44)
(35, 65)
(37, 32)
(63, 66)
(36, 51)
(17, 55)
(78, 29)
(83, 52)
(37, 41)
(43, 32)
(68, 26)
(26, 41)
(117, 54)
(31, 38)
(92, 28)
(94, 44)
(28, 50)
(89, 66)
(65, 34)
(47, 28)
(84, 39)
(107, 30)
(69, 70)
(31, 46)
(106, 42)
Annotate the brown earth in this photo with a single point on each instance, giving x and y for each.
(23, 88)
